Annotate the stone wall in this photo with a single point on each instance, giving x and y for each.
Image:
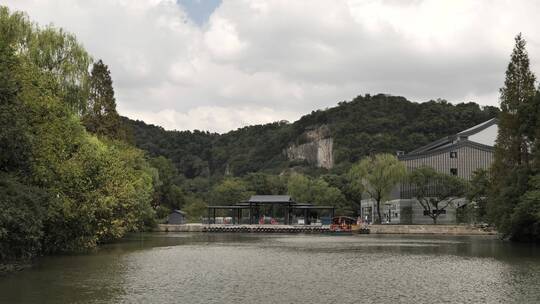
(180, 228)
(430, 229)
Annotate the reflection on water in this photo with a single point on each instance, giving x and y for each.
(255, 268)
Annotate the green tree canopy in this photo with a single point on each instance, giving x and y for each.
(229, 192)
(518, 127)
(377, 176)
(436, 191)
(316, 191)
(100, 116)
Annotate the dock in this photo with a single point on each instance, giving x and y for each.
(243, 228)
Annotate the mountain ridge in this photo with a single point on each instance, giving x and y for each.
(363, 126)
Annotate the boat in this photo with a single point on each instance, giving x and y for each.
(348, 225)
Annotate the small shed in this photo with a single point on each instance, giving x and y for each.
(177, 217)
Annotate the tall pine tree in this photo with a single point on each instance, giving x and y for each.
(101, 117)
(517, 119)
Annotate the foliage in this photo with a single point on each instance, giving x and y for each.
(478, 194)
(63, 189)
(100, 116)
(54, 52)
(388, 123)
(525, 217)
(315, 191)
(436, 191)
(262, 183)
(21, 219)
(377, 176)
(229, 192)
(195, 208)
(511, 206)
(168, 192)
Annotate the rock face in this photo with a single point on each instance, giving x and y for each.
(315, 147)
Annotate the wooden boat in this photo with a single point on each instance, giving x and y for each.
(347, 225)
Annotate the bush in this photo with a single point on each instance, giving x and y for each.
(21, 219)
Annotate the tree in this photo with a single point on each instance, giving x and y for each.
(352, 191)
(511, 169)
(316, 191)
(525, 217)
(21, 220)
(378, 175)
(265, 184)
(195, 208)
(168, 193)
(61, 188)
(517, 110)
(436, 191)
(54, 52)
(478, 193)
(229, 192)
(100, 116)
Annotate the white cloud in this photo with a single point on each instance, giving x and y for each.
(207, 117)
(259, 61)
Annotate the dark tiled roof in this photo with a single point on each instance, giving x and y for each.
(447, 148)
(450, 141)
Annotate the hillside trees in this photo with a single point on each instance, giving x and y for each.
(317, 191)
(229, 192)
(363, 126)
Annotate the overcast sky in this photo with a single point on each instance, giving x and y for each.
(219, 65)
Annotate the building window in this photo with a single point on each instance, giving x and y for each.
(453, 171)
(453, 154)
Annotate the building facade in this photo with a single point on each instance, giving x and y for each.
(460, 154)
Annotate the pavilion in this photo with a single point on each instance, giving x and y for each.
(281, 207)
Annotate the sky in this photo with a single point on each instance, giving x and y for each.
(220, 65)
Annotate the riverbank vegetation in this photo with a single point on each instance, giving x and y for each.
(68, 179)
(514, 196)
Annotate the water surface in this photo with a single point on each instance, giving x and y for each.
(273, 268)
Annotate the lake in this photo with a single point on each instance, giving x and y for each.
(274, 268)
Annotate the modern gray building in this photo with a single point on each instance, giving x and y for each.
(460, 154)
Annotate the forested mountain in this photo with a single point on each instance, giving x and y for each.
(363, 126)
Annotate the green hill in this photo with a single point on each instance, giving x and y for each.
(363, 126)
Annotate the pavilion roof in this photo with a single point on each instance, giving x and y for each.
(270, 199)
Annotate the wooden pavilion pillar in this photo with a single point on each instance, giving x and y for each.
(250, 215)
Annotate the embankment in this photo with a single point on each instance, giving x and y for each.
(431, 229)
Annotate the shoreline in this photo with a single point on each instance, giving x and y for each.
(374, 229)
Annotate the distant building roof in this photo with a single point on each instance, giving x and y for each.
(270, 199)
(482, 135)
(179, 212)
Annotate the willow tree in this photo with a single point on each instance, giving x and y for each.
(377, 176)
(517, 124)
(55, 52)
